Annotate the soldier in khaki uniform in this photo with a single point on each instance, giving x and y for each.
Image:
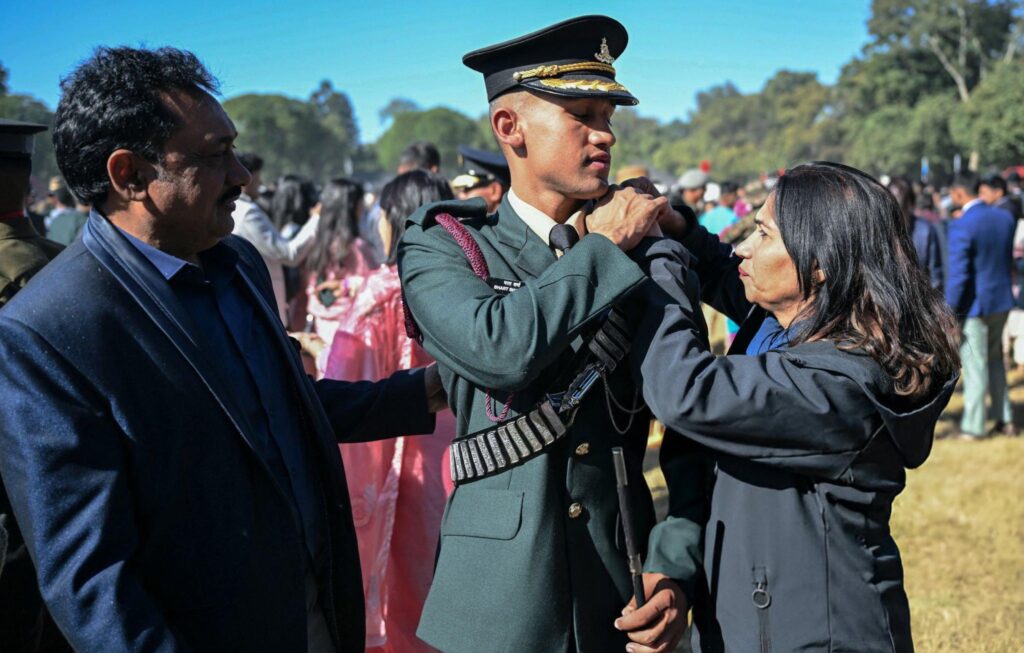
(23, 252)
(532, 556)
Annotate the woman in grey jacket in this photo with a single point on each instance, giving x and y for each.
(844, 361)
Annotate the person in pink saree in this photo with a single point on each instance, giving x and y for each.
(398, 487)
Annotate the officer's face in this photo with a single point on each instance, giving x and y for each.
(767, 271)
(568, 144)
(193, 195)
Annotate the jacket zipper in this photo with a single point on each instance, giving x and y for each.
(762, 599)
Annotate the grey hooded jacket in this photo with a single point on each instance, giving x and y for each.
(810, 446)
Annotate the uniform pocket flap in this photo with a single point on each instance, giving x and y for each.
(483, 512)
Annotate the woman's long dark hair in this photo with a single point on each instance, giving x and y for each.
(293, 199)
(340, 204)
(903, 191)
(407, 192)
(874, 296)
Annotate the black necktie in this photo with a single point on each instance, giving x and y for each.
(563, 236)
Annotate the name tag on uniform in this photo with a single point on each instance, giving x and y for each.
(503, 286)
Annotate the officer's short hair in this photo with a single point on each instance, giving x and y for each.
(112, 101)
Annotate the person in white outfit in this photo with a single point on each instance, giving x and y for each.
(253, 224)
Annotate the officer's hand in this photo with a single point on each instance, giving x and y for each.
(659, 625)
(624, 215)
(436, 398)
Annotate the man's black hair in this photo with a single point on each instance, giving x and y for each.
(113, 101)
(253, 162)
(420, 154)
(64, 196)
(728, 187)
(966, 180)
(994, 181)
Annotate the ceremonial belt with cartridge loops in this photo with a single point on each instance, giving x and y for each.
(510, 443)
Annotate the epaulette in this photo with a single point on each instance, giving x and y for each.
(462, 210)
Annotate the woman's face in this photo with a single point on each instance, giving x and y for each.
(767, 270)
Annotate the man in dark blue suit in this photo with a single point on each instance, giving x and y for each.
(978, 289)
(175, 474)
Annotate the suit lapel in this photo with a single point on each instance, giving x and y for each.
(154, 296)
(322, 434)
(531, 254)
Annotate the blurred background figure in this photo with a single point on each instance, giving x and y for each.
(67, 220)
(978, 288)
(340, 259)
(294, 201)
(485, 174)
(398, 487)
(253, 224)
(721, 216)
(25, 624)
(422, 155)
(923, 232)
(692, 185)
(992, 190)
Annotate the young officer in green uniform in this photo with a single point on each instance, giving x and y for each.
(532, 556)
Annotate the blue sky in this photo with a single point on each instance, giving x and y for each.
(379, 49)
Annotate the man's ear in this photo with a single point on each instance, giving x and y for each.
(507, 127)
(130, 175)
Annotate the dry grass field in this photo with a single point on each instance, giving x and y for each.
(960, 527)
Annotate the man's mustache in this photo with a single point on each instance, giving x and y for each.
(231, 195)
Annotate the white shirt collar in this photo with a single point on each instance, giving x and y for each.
(538, 221)
(970, 205)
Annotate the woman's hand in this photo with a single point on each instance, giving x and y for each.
(669, 220)
(659, 625)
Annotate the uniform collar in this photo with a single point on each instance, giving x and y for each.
(538, 221)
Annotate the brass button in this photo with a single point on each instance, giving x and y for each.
(575, 510)
(583, 449)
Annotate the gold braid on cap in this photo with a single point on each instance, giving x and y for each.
(555, 70)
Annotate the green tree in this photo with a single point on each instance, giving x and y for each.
(967, 37)
(396, 106)
(441, 126)
(3, 80)
(992, 123)
(335, 113)
(288, 134)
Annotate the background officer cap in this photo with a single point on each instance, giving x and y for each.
(16, 138)
(481, 167)
(573, 59)
(693, 178)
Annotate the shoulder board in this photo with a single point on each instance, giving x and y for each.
(460, 209)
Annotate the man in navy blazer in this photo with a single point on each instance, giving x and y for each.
(176, 475)
(978, 289)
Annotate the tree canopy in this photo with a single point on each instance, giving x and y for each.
(937, 78)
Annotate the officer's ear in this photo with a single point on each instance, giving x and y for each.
(130, 175)
(507, 124)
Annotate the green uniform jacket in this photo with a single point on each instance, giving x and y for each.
(23, 252)
(532, 559)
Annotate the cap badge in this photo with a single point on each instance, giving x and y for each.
(604, 56)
